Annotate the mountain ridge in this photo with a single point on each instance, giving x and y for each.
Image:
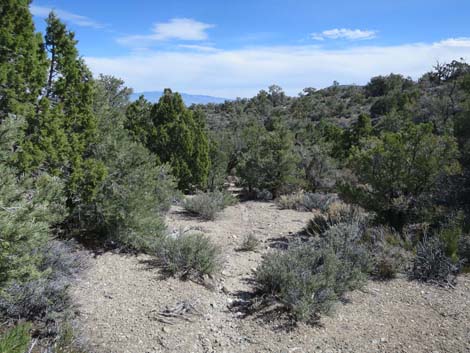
(188, 99)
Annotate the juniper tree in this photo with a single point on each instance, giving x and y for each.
(175, 134)
(60, 134)
(22, 59)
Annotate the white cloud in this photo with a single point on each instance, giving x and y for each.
(43, 11)
(203, 48)
(345, 33)
(177, 28)
(243, 72)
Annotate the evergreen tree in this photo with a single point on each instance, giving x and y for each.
(268, 161)
(175, 134)
(22, 59)
(28, 207)
(136, 192)
(401, 171)
(61, 133)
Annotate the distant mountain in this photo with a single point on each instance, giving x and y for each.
(154, 96)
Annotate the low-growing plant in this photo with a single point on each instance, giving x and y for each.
(188, 255)
(308, 278)
(208, 205)
(431, 263)
(336, 213)
(464, 250)
(16, 339)
(387, 249)
(250, 243)
(306, 201)
(44, 299)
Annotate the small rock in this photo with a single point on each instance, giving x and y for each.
(165, 329)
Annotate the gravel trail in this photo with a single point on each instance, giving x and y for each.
(120, 295)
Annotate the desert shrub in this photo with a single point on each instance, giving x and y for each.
(188, 255)
(250, 243)
(44, 299)
(387, 249)
(16, 340)
(207, 205)
(400, 191)
(306, 201)
(464, 250)
(450, 236)
(431, 263)
(309, 277)
(338, 212)
(127, 210)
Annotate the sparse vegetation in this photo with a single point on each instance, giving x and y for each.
(208, 205)
(309, 278)
(250, 243)
(306, 201)
(188, 255)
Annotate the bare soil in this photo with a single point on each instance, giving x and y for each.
(120, 297)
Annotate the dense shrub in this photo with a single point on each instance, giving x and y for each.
(175, 135)
(387, 250)
(400, 171)
(309, 277)
(267, 160)
(188, 255)
(128, 208)
(464, 250)
(306, 201)
(207, 205)
(431, 264)
(338, 212)
(16, 340)
(45, 299)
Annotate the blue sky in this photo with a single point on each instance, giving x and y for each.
(236, 48)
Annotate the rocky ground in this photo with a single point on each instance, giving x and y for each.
(120, 297)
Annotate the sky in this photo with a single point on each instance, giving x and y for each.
(236, 48)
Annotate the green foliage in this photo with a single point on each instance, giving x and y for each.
(16, 340)
(45, 299)
(22, 62)
(219, 162)
(399, 171)
(175, 135)
(208, 205)
(128, 207)
(28, 207)
(267, 160)
(188, 255)
(62, 130)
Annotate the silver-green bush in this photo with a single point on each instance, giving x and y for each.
(188, 255)
(208, 205)
(308, 278)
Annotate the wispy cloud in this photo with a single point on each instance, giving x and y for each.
(243, 72)
(203, 48)
(345, 33)
(185, 29)
(83, 21)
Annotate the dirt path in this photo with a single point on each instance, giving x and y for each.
(119, 295)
